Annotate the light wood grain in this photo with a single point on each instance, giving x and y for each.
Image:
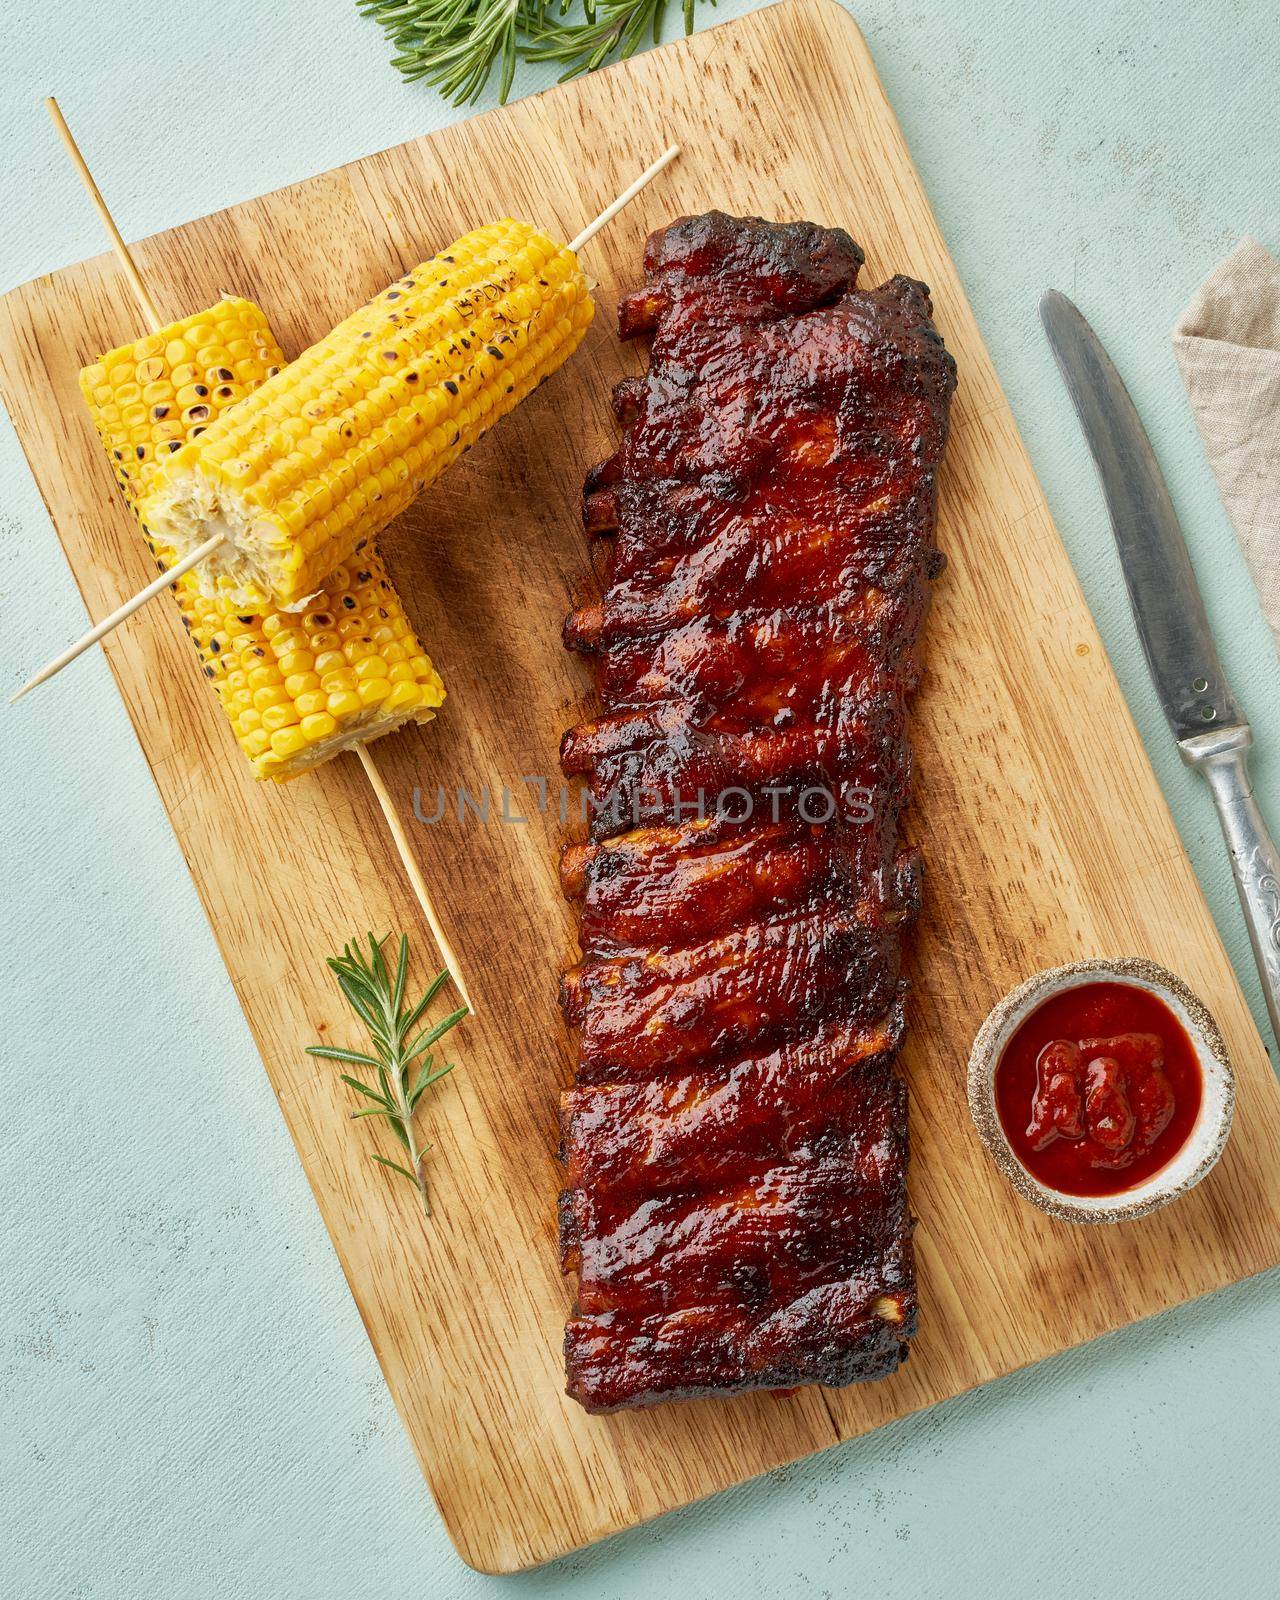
(1045, 833)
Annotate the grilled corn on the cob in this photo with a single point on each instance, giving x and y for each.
(297, 687)
(317, 461)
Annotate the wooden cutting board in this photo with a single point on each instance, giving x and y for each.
(1045, 833)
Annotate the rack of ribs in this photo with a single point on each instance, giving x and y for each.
(736, 1137)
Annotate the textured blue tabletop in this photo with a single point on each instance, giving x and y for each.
(188, 1403)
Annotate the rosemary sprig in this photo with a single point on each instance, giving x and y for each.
(454, 44)
(613, 31)
(377, 996)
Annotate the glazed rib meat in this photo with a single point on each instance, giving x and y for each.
(736, 1138)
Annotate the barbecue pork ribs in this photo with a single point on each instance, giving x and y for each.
(736, 1138)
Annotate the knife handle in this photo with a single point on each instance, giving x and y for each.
(1221, 756)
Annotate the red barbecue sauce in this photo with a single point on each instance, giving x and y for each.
(1098, 1088)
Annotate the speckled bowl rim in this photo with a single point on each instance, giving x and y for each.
(1020, 1002)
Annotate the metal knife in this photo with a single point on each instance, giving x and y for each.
(1211, 730)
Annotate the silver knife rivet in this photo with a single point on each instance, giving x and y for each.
(1200, 686)
(1207, 713)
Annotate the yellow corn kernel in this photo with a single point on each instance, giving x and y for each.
(267, 667)
(318, 460)
(342, 703)
(319, 725)
(287, 742)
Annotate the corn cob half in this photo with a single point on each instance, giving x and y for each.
(298, 687)
(319, 460)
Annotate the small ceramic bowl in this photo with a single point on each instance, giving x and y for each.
(1204, 1144)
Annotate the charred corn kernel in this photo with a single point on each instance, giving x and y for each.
(264, 665)
(301, 476)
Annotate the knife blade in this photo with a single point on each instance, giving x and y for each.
(1163, 591)
(1211, 731)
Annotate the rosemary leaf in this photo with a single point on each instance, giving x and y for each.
(352, 1056)
(356, 1000)
(433, 989)
(363, 1088)
(377, 997)
(426, 1077)
(402, 972)
(384, 1083)
(396, 1167)
(425, 1040)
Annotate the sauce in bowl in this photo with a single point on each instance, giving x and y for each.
(1098, 1088)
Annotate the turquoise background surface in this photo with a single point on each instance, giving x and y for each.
(188, 1403)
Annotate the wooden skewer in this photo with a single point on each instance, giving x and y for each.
(155, 322)
(121, 249)
(399, 837)
(100, 630)
(411, 871)
(626, 197)
(194, 557)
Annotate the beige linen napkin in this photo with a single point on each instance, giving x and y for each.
(1227, 343)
